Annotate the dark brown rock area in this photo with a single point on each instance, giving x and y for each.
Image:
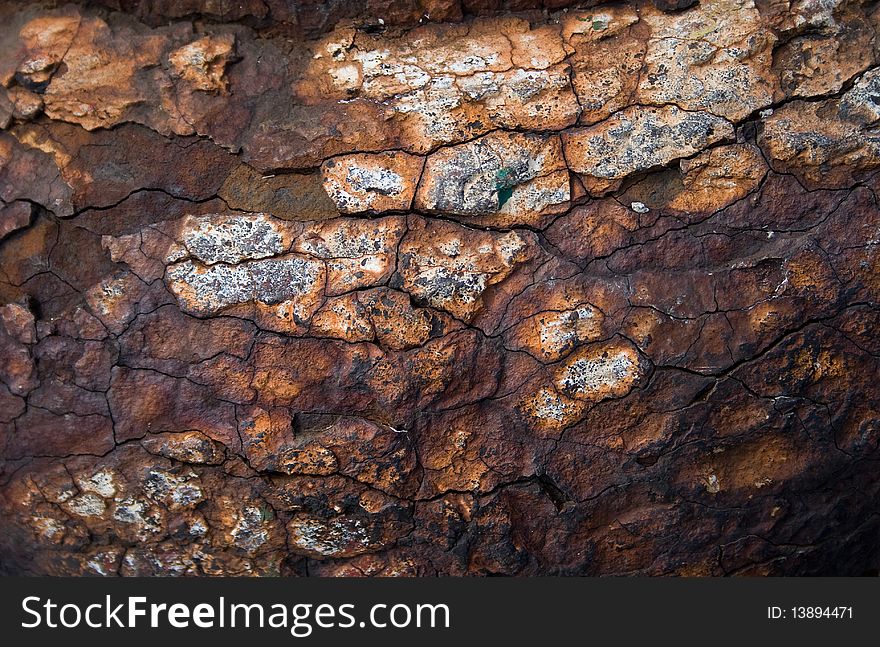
(440, 287)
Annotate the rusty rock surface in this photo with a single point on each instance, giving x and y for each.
(439, 287)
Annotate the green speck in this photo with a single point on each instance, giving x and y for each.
(504, 184)
(266, 513)
(600, 24)
(504, 194)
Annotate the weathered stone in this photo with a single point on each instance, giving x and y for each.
(294, 196)
(15, 216)
(716, 178)
(44, 42)
(372, 182)
(98, 91)
(16, 334)
(383, 316)
(146, 402)
(606, 59)
(674, 5)
(118, 299)
(511, 177)
(449, 267)
(827, 143)
(25, 104)
(202, 64)
(94, 172)
(42, 433)
(29, 174)
(485, 288)
(358, 253)
(827, 43)
(638, 139)
(715, 57)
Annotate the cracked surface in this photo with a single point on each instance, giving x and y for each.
(480, 289)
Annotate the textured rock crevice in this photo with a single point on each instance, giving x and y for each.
(477, 288)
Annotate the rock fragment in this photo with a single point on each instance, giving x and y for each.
(638, 139)
(715, 57)
(589, 375)
(510, 177)
(202, 63)
(372, 182)
(827, 143)
(450, 267)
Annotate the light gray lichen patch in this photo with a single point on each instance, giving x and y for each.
(106, 294)
(359, 253)
(232, 239)
(87, 505)
(375, 180)
(561, 331)
(249, 531)
(585, 376)
(607, 370)
(209, 289)
(453, 275)
(439, 286)
(140, 514)
(716, 57)
(352, 239)
(198, 527)
(363, 186)
(177, 491)
(336, 537)
(547, 405)
(861, 103)
(371, 181)
(639, 139)
(713, 486)
(828, 141)
(537, 196)
(464, 181)
(47, 527)
(186, 447)
(493, 173)
(101, 483)
(699, 76)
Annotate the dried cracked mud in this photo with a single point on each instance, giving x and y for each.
(455, 287)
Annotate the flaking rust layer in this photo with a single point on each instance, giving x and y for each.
(446, 287)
